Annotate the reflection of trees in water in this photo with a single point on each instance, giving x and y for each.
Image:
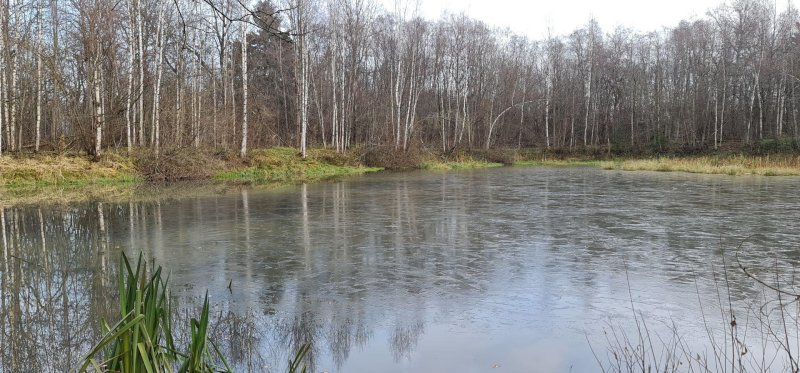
(404, 339)
(328, 265)
(365, 251)
(59, 280)
(241, 334)
(343, 256)
(54, 291)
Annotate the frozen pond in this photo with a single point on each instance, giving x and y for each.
(503, 269)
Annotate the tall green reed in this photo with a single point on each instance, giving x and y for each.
(142, 341)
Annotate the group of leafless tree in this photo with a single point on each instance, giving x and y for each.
(164, 74)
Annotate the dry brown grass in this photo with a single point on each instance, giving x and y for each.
(776, 165)
(41, 170)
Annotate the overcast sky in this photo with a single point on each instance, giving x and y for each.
(532, 17)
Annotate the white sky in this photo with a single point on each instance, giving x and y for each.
(532, 17)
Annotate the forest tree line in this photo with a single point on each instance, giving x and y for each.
(91, 75)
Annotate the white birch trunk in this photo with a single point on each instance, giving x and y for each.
(3, 102)
(760, 112)
(548, 89)
(12, 120)
(2, 79)
(243, 150)
(131, 68)
(98, 107)
(140, 89)
(157, 88)
(588, 105)
(410, 106)
(180, 71)
(334, 104)
(304, 104)
(214, 104)
(4, 111)
(752, 105)
(38, 77)
(197, 106)
(301, 50)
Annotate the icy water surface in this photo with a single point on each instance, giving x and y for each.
(510, 269)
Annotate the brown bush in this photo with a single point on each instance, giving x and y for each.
(177, 164)
(332, 157)
(391, 159)
(503, 156)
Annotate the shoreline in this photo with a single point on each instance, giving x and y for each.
(28, 179)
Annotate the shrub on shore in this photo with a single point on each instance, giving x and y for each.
(178, 164)
(391, 159)
(773, 157)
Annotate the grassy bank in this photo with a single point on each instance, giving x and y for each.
(31, 178)
(460, 165)
(58, 179)
(756, 161)
(52, 178)
(30, 172)
(433, 159)
(283, 165)
(775, 165)
(27, 179)
(462, 161)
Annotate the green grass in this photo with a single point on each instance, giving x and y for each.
(457, 165)
(732, 164)
(726, 165)
(291, 174)
(284, 165)
(462, 160)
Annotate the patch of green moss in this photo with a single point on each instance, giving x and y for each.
(260, 175)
